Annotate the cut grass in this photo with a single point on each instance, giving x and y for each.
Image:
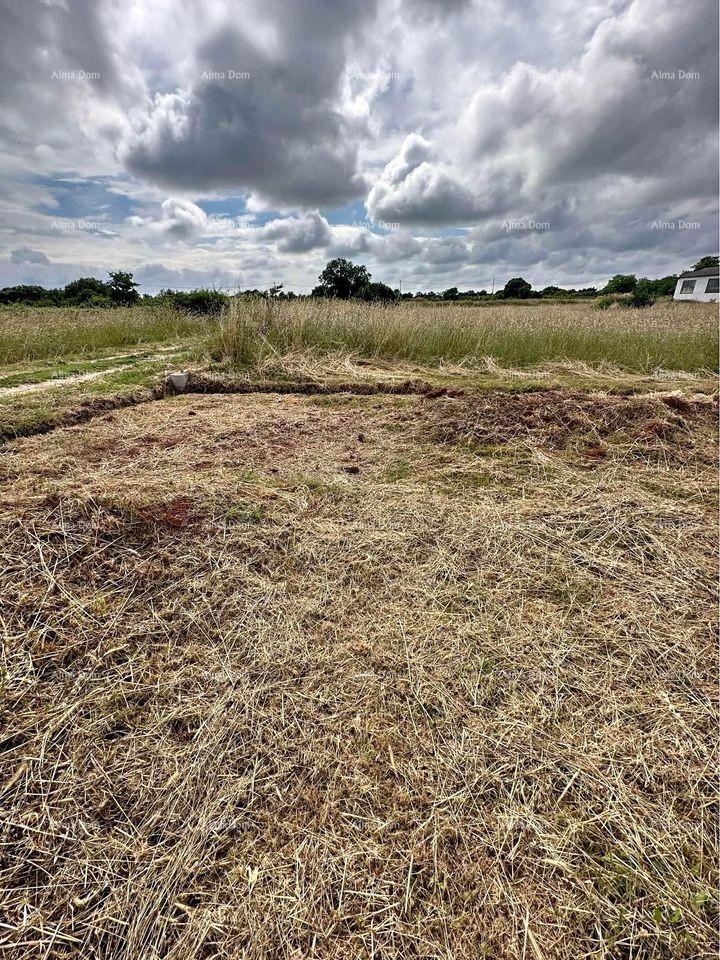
(260, 706)
(346, 675)
(668, 336)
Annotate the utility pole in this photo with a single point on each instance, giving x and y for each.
(493, 286)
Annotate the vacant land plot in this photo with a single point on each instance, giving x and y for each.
(362, 676)
(59, 365)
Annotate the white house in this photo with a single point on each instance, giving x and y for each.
(698, 285)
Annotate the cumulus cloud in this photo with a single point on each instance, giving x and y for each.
(415, 189)
(178, 218)
(259, 116)
(182, 220)
(625, 113)
(298, 234)
(445, 250)
(203, 118)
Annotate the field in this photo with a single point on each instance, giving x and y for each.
(393, 637)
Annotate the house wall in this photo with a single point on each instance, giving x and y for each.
(699, 291)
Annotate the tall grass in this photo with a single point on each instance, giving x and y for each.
(44, 333)
(668, 336)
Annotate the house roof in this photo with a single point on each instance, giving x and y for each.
(707, 272)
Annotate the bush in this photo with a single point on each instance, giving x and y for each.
(621, 283)
(604, 303)
(86, 291)
(642, 296)
(608, 301)
(210, 302)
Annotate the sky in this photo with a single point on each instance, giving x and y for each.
(439, 142)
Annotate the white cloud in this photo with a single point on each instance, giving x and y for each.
(457, 114)
(298, 234)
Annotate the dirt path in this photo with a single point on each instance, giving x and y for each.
(72, 379)
(69, 381)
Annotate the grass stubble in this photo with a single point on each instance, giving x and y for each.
(354, 676)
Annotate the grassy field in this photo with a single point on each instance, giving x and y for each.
(52, 333)
(669, 336)
(422, 665)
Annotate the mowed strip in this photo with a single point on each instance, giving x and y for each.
(343, 676)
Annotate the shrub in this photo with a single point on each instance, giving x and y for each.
(604, 303)
(30, 295)
(621, 283)
(642, 296)
(210, 302)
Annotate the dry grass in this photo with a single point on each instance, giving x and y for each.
(48, 333)
(672, 336)
(361, 677)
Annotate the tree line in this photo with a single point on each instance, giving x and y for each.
(341, 279)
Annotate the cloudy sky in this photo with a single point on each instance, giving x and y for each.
(439, 142)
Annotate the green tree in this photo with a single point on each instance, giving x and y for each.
(621, 283)
(85, 290)
(665, 286)
(451, 294)
(123, 289)
(378, 293)
(342, 279)
(517, 288)
(704, 263)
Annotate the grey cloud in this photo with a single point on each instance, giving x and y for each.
(398, 245)
(445, 251)
(429, 194)
(553, 144)
(28, 255)
(503, 111)
(157, 275)
(277, 133)
(607, 114)
(179, 219)
(298, 234)
(63, 84)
